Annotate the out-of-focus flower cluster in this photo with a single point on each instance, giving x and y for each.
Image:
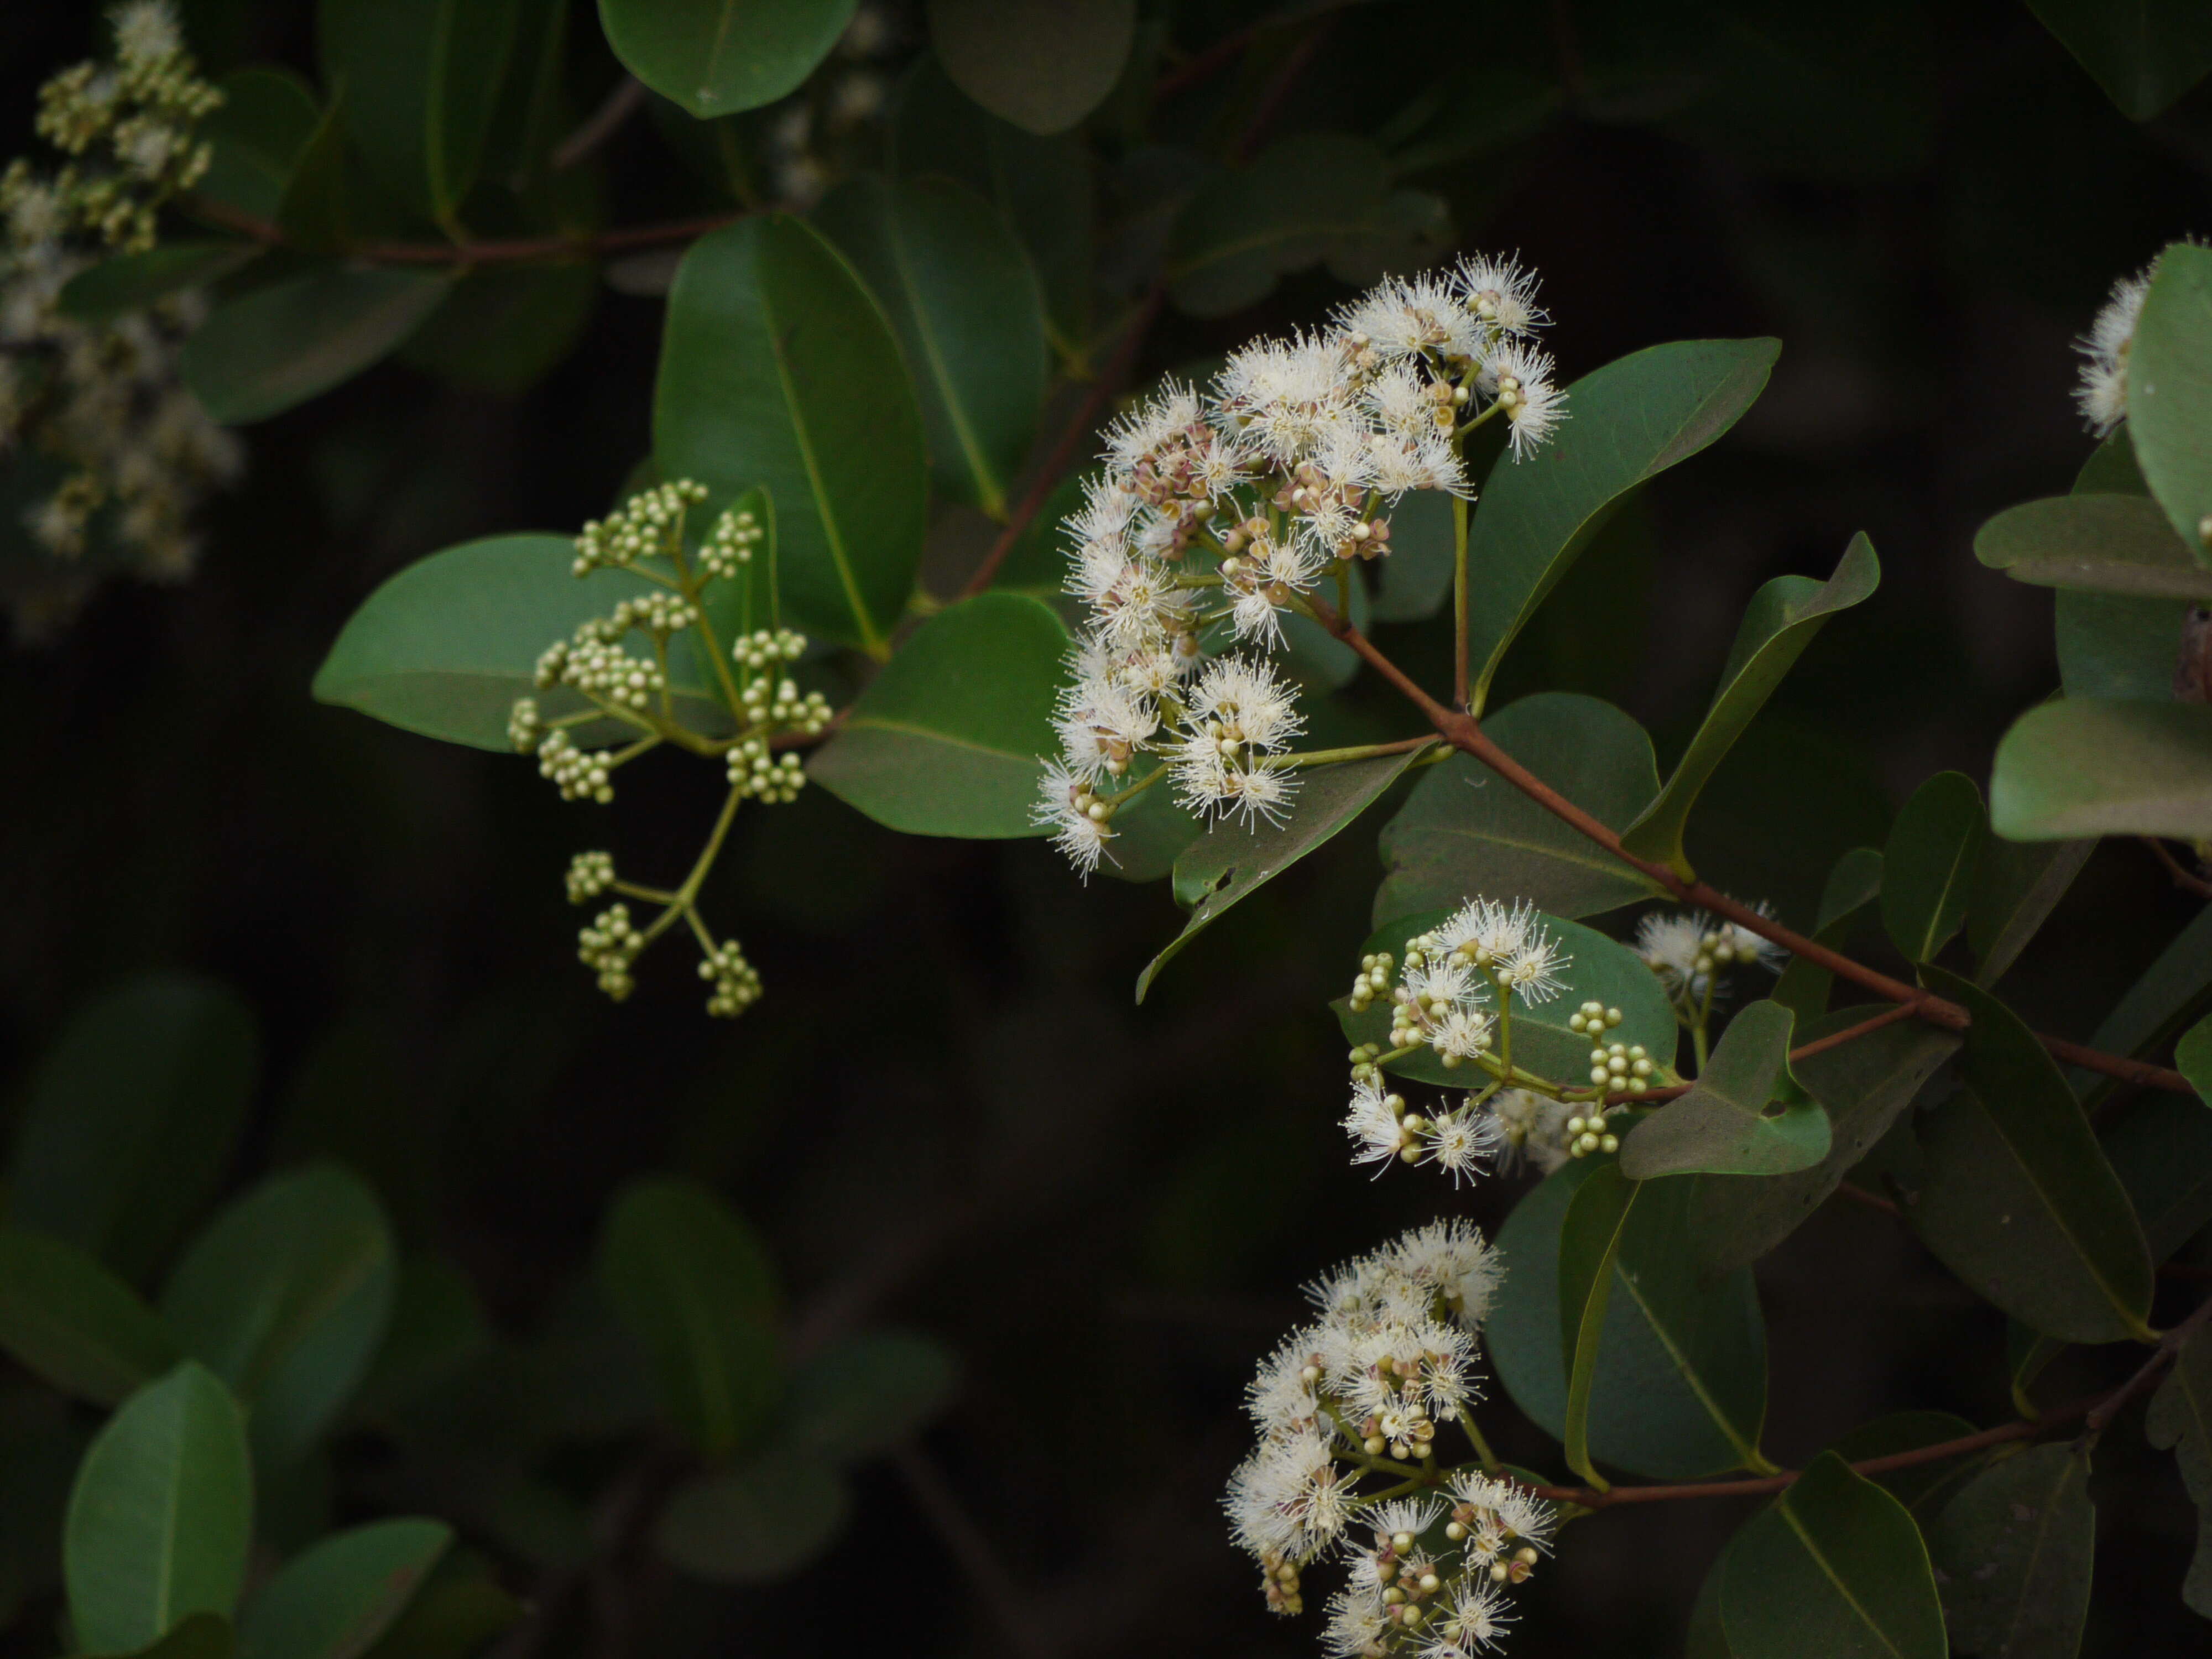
(105, 458)
(1219, 513)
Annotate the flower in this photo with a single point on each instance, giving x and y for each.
(2102, 394)
(1078, 819)
(1461, 1142)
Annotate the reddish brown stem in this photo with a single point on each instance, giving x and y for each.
(2182, 878)
(1802, 1051)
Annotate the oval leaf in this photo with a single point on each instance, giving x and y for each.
(422, 81)
(2080, 767)
(267, 351)
(1589, 1244)
(1042, 64)
(1854, 881)
(132, 282)
(2104, 544)
(2016, 886)
(867, 1392)
(334, 1600)
(718, 56)
(162, 1515)
(1928, 867)
(2144, 56)
(1721, 1126)
(2180, 1420)
(761, 1520)
(255, 138)
(2169, 390)
(67, 1318)
(2013, 1552)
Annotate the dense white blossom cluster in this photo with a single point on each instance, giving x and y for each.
(1365, 1392)
(1688, 948)
(1219, 513)
(2102, 393)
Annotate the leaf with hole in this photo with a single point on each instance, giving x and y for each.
(1723, 1126)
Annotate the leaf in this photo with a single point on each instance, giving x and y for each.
(336, 1599)
(777, 368)
(692, 1284)
(255, 138)
(2019, 1199)
(2113, 647)
(1319, 197)
(970, 317)
(202, 1636)
(946, 741)
(2101, 768)
(131, 1116)
(1705, 1639)
(1597, 970)
(2170, 993)
(867, 1393)
(1928, 867)
(1232, 860)
(2016, 886)
(1918, 1487)
(454, 1616)
(1042, 64)
(1863, 1083)
(1681, 1386)
(1462, 831)
(130, 282)
(1780, 622)
(2180, 1420)
(161, 1517)
(68, 1320)
(2104, 544)
(1721, 1126)
(1833, 1569)
(422, 81)
(2144, 53)
(503, 328)
(2012, 1554)
(718, 56)
(2169, 390)
(271, 350)
(1589, 1244)
(762, 1520)
(1854, 881)
(436, 1329)
(1630, 420)
(2160, 1147)
(1413, 582)
(285, 1297)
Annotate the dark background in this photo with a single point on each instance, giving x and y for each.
(946, 1110)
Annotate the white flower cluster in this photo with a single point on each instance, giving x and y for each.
(99, 406)
(2102, 393)
(1686, 949)
(1366, 1387)
(1459, 979)
(1220, 511)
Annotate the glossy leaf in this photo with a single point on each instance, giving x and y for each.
(255, 138)
(2018, 1200)
(2160, 1147)
(946, 741)
(1415, 580)
(285, 1297)
(1629, 421)
(1923, 1488)
(131, 1116)
(67, 1319)
(454, 1616)
(2170, 391)
(1854, 881)
(1462, 831)
(2180, 1420)
(718, 56)
(422, 81)
(690, 1281)
(1928, 868)
(1589, 1244)
(1833, 1569)
(335, 1601)
(503, 328)
(1723, 1126)
(1780, 622)
(161, 1517)
(1597, 970)
(2104, 544)
(2101, 768)
(2016, 886)
(778, 369)
(2144, 53)
(1042, 64)
(1319, 197)
(762, 1520)
(2170, 993)
(1230, 862)
(965, 304)
(2118, 648)
(202, 1636)
(1681, 1386)
(271, 350)
(131, 282)
(868, 1393)
(2012, 1554)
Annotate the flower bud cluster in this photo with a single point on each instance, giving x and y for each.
(580, 774)
(589, 874)
(759, 775)
(735, 984)
(601, 669)
(1456, 983)
(730, 545)
(650, 524)
(608, 947)
(1219, 512)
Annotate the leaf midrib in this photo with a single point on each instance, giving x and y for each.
(989, 485)
(1789, 1517)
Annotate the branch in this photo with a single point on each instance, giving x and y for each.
(272, 234)
(2182, 878)
(624, 102)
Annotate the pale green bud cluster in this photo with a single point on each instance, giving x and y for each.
(580, 774)
(1588, 1134)
(649, 523)
(598, 667)
(780, 703)
(735, 984)
(1621, 1066)
(589, 874)
(524, 725)
(1594, 1018)
(608, 947)
(766, 647)
(1373, 979)
(730, 545)
(756, 774)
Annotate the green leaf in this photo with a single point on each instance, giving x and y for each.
(692, 1284)
(161, 1517)
(718, 56)
(1589, 1244)
(2019, 1199)
(2144, 53)
(2104, 769)
(2115, 648)
(946, 741)
(202, 1636)
(423, 79)
(763, 1520)
(285, 1297)
(131, 1116)
(271, 350)
(1833, 1569)
(2012, 1554)
(503, 328)
(1928, 868)
(1780, 622)
(256, 136)
(1462, 831)
(336, 1599)
(2160, 1147)
(130, 282)
(1721, 1126)
(2180, 1420)
(1919, 1486)
(1854, 881)
(1232, 861)
(2016, 886)
(2171, 992)
(1413, 581)
(1042, 64)
(454, 1616)
(867, 1392)
(2170, 391)
(1319, 197)
(969, 316)
(2104, 544)
(1630, 421)
(777, 368)
(437, 1329)
(322, 196)
(1681, 1386)
(68, 1320)
(1706, 1637)
(1597, 970)
(2027, 1354)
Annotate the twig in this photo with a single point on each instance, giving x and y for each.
(1858, 1195)
(2183, 878)
(2168, 1345)
(971, 1551)
(1802, 1051)
(1271, 101)
(609, 118)
(474, 253)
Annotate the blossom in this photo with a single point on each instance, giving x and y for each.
(1461, 1142)
(2102, 394)
(1067, 806)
